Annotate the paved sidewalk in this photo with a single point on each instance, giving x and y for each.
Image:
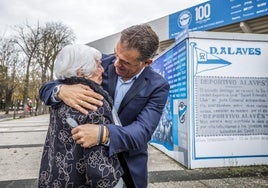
(21, 144)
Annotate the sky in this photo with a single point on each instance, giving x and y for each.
(90, 20)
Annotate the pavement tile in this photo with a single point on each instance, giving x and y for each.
(176, 184)
(20, 163)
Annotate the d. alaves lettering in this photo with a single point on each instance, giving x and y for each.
(235, 51)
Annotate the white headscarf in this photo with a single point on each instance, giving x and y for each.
(73, 57)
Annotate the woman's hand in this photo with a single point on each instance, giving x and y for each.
(80, 97)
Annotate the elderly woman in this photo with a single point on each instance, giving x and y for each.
(64, 163)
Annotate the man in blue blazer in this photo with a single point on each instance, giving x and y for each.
(139, 94)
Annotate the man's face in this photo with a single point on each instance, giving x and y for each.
(127, 64)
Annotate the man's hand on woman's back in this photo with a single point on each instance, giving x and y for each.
(80, 97)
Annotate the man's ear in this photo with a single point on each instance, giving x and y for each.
(148, 62)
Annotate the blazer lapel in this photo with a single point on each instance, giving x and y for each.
(112, 79)
(137, 86)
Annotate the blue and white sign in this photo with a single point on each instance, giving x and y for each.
(217, 110)
(215, 13)
(172, 66)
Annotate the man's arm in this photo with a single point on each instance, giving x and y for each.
(137, 134)
(78, 96)
(45, 92)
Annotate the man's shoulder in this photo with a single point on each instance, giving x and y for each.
(107, 60)
(153, 75)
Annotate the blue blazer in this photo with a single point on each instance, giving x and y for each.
(139, 112)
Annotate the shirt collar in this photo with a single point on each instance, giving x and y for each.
(134, 77)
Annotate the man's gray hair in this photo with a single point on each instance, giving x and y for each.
(143, 38)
